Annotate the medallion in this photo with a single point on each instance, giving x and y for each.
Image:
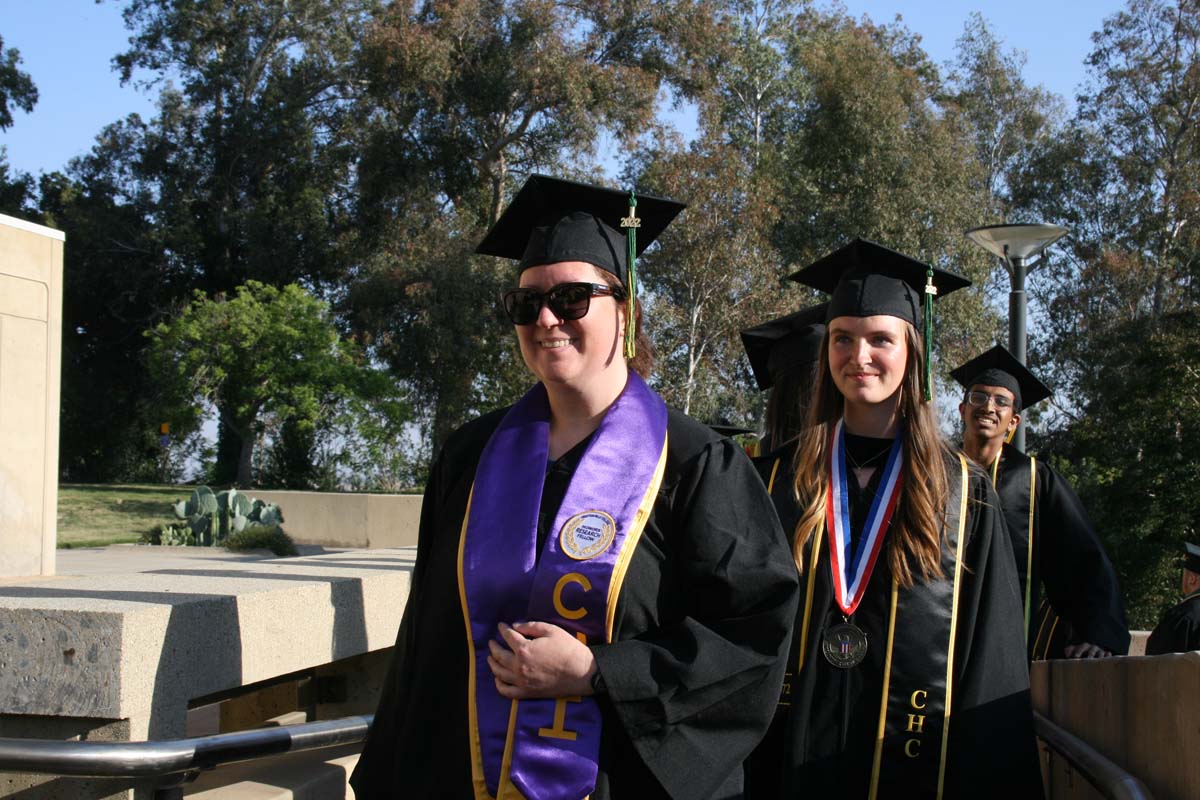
(587, 535)
(844, 645)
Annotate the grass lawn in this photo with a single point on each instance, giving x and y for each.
(94, 515)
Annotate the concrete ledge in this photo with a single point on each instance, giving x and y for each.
(139, 646)
(348, 520)
(319, 775)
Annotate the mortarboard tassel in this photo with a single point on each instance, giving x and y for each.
(930, 291)
(631, 224)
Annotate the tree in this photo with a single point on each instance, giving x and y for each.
(1006, 119)
(869, 153)
(1134, 454)
(714, 272)
(1144, 101)
(745, 105)
(16, 87)
(1121, 300)
(466, 98)
(249, 160)
(266, 355)
(16, 189)
(118, 280)
(16, 91)
(1123, 177)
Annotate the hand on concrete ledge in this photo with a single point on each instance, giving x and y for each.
(1085, 650)
(542, 660)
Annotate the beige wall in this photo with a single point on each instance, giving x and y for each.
(1142, 713)
(347, 520)
(30, 361)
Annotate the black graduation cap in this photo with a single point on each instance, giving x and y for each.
(552, 220)
(998, 367)
(868, 279)
(1191, 558)
(780, 345)
(727, 430)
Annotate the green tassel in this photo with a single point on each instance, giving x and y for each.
(930, 291)
(631, 224)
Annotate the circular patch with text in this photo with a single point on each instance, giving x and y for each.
(587, 535)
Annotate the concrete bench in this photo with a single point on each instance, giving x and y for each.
(119, 656)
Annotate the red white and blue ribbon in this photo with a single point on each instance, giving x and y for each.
(852, 571)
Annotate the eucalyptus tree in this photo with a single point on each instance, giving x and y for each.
(717, 269)
(1007, 120)
(465, 99)
(870, 152)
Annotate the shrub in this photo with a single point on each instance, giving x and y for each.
(262, 537)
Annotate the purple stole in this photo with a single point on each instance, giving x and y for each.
(550, 748)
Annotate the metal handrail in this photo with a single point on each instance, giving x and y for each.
(173, 758)
(1105, 775)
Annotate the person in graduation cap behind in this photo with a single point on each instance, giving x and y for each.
(783, 355)
(602, 595)
(1053, 541)
(1179, 629)
(910, 672)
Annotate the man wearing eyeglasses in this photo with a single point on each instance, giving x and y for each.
(1053, 540)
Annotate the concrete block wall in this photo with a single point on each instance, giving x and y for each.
(30, 362)
(121, 655)
(347, 520)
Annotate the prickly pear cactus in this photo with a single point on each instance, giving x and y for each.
(211, 517)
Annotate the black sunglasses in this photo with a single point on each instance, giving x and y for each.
(566, 301)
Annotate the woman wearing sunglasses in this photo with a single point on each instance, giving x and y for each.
(602, 596)
(908, 659)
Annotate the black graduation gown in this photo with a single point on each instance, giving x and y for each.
(1068, 560)
(694, 670)
(821, 743)
(1179, 629)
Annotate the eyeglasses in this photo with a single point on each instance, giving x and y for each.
(566, 301)
(980, 399)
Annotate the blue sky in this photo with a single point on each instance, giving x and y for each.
(67, 47)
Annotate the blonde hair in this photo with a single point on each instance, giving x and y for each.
(915, 536)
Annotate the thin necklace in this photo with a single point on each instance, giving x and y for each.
(870, 460)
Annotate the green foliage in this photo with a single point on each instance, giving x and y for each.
(1134, 454)
(265, 354)
(16, 189)
(1006, 119)
(463, 100)
(16, 87)
(262, 537)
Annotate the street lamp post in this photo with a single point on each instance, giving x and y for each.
(1019, 248)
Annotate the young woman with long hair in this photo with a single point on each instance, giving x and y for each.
(907, 674)
(602, 595)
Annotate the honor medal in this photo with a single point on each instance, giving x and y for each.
(844, 645)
